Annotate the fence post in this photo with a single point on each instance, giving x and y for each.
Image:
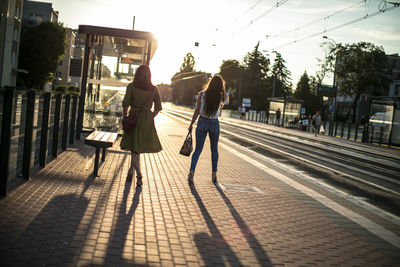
(335, 128)
(45, 129)
(372, 135)
(66, 119)
(57, 111)
(356, 133)
(27, 156)
(5, 139)
(73, 119)
(349, 131)
(342, 130)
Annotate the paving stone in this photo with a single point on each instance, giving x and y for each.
(64, 216)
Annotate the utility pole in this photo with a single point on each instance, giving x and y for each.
(332, 115)
(133, 25)
(273, 85)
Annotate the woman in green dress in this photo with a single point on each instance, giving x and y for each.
(140, 96)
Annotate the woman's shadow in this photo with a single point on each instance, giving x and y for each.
(119, 233)
(214, 248)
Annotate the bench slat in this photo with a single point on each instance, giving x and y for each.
(105, 137)
(113, 137)
(101, 139)
(92, 135)
(99, 136)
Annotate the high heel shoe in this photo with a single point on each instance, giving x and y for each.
(139, 181)
(190, 177)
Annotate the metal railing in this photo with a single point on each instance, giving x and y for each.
(35, 128)
(366, 133)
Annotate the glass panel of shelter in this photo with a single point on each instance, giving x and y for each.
(112, 65)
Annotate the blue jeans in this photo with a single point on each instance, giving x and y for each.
(204, 126)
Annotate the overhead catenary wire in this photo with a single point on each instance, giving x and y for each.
(247, 10)
(336, 27)
(278, 4)
(318, 20)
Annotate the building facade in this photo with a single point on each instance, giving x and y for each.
(394, 88)
(10, 33)
(38, 12)
(62, 74)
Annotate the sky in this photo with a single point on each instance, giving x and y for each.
(229, 29)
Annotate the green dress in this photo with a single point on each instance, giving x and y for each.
(143, 138)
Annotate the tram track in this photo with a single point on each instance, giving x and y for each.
(379, 172)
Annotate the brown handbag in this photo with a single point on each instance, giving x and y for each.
(129, 122)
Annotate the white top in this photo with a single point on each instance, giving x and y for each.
(202, 108)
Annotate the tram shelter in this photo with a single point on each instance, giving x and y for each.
(110, 59)
(289, 107)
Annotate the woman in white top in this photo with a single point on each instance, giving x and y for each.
(209, 103)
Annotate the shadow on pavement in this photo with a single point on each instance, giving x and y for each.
(116, 243)
(253, 242)
(52, 235)
(214, 248)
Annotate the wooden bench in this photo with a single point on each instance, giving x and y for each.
(99, 139)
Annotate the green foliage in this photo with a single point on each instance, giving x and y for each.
(73, 90)
(187, 82)
(256, 67)
(188, 63)
(306, 91)
(61, 89)
(282, 75)
(41, 48)
(361, 68)
(231, 71)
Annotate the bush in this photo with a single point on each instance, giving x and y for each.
(73, 90)
(61, 89)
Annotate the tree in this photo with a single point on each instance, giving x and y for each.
(361, 68)
(306, 91)
(188, 63)
(187, 82)
(231, 72)
(282, 75)
(41, 49)
(303, 91)
(256, 67)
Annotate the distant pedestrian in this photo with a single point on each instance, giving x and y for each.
(242, 112)
(140, 96)
(316, 122)
(209, 103)
(278, 117)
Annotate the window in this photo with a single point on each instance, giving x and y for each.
(38, 19)
(16, 11)
(15, 37)
(30, 17)
(397, 89)
(14, 58)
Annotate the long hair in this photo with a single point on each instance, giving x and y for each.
(142, 79)
(215, 94)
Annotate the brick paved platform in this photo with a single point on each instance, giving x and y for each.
(64, 216)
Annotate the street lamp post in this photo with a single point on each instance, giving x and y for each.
(334, 87)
